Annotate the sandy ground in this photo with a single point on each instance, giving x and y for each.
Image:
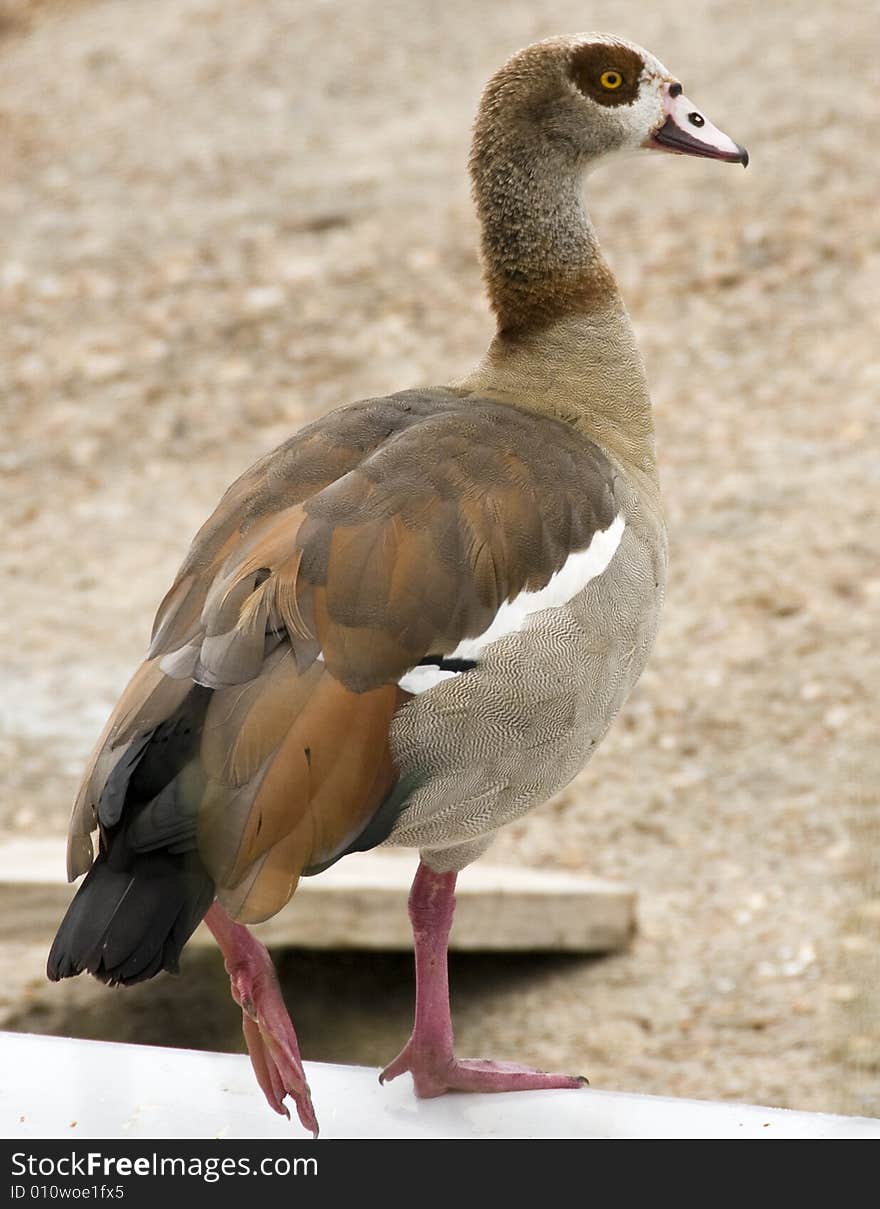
(219, 220)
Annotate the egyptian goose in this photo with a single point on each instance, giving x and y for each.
(416, 619)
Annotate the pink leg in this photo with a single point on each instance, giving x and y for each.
(428, 1054)
(268, 1031)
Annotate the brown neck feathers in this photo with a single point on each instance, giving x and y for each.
(541, 258)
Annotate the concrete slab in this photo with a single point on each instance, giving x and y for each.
(360, 903)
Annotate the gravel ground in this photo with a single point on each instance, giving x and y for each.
(219, 220)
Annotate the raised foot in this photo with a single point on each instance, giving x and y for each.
(435, 1076)
(272, 1043)
(279, 1072)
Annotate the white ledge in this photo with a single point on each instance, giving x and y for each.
(53, 1087)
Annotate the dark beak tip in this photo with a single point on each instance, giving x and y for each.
(670, 136)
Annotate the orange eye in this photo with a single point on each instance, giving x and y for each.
(611, 80)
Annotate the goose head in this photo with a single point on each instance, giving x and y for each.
(551, 114)
(597, 95)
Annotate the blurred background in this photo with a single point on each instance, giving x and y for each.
(217, 221)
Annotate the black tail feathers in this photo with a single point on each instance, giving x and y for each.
(148, 889)
(125, 925)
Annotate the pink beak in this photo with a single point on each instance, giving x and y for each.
(685, 131)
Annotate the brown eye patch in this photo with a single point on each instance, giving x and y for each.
(590, 62)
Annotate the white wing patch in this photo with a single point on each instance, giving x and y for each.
(419, 679)
(571, 578)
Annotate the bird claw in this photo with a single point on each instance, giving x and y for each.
(436, 1074)
(279, 1072)
(268, 1032)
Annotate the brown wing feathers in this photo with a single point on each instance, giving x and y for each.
(386, 532)
(297, 765)
(417, 547)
